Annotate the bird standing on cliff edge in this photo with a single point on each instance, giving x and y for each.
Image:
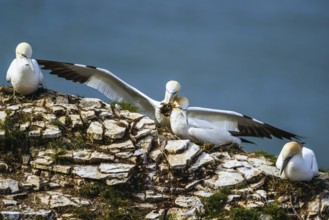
(24, 73)
(296, 162)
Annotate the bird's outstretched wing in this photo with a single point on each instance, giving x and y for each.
(104, 81)
(237, 124)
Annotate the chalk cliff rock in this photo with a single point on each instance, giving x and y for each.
(67, 157)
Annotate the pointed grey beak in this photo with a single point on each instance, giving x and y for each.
(284, 164)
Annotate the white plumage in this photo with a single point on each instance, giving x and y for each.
(114, 88)
(218, 126)
(297, 163)
(24, 73)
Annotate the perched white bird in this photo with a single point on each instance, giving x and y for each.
(218, 126)
(114, 88)
(297, 163)
(24, 73)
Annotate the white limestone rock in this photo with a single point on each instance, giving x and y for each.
(3, 116)
(118, 147)
(81, 155)
(110, 168)
(224, 178)
(90, 103)
(95, 131)
(156, 215)
(76, 121)
(87, 115)
(65, 169)
(202, 160)
(249, 172)
(114, 129)
(96, 156)
(89, 172)
(176, 146)
(9, 186)
(180, 161)
(52, 131)
(232, 164)
(189, 201)
(35, 133)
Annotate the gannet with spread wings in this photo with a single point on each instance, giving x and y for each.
(218, 126)
(114, 88)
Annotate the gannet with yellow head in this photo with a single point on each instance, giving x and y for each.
(218, 126)
(197, 131)
(297, 163)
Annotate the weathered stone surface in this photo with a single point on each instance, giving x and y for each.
(202, 160)
(36, 181)
(62, 169)
(156, 154)
(88, 115)
(114, 129)
(90, 103)
(35, 133)
(9, 202)
(118, 147)
(2, 133)
(3, 116)
(176, 146)
(9, 186)
(81, 155)
(231, 164)
(189, 201)
(89, 172)
(76, 121)
(24, 126)
(96, 156)
(182, 214)
(156, 215)
(223, 179)
(169, 177)
(249, 172)
(28, 214)
(116, 168)
(180, 161)
(52, 131)
(95, 131)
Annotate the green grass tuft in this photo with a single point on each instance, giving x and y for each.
(214, 204)
(244, 214)
(126, 106)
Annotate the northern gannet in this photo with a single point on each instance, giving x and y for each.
(24, 73)
(297, 163)
(115, 88)
(218, 126)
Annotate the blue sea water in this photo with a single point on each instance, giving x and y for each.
(267, 59)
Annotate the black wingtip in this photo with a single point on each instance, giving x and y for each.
(247, 141)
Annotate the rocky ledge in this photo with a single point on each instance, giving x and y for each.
(67, 157)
